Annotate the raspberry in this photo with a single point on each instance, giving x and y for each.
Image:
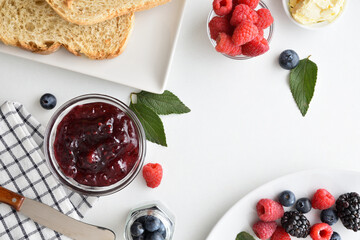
(152, 173)
(243, 12)
(226, 45)
(264, 230)
(251, 3)
(269, 210)
(321, 231)
(322, 199)
(222, 7)
(260, 35)
(264, 18)
(218, 25)
(280, 234)
(255, 48)
(244, 32)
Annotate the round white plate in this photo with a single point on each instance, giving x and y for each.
(243, 214)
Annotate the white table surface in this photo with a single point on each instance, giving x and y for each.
(244, 128)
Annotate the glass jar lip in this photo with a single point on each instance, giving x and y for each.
(239, 57)
(50, 133)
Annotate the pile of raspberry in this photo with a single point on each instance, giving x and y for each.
(239, 28)
(274, 220)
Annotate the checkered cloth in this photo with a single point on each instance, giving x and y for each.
(23, 170)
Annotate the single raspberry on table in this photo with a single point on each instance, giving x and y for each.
(280, 234)
(251, 3)
(243, 12)
(264, 230)
(152, 173)
(322, 199)
(226, 45)
(321, 231)
(222, 7)
(218, 25)
(244, 32)
(268, 210)
(255, 48)
(265, 19)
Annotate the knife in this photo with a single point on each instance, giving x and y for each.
(49, 217)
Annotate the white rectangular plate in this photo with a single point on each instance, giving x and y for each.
(145, 62)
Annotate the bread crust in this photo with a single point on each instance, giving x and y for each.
(44, 50)
(116, 13)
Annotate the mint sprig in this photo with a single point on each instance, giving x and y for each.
(244, 236)
(162, 104)
(302, 83)
(148, 106)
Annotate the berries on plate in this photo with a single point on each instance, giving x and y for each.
(264, 230)
(226, 45)
(348, 210)
(251, 3)
(268, 210)
(329, 216)
(296, 224)
(243, 12)
(48, 101)
(321, 231)
(219, 25)
(303, 205)
(322, 199)
(280, 234)
(289, 59)
(152, 173)
(265, 18)
(244, 33)
(255, 48)
(335, 236)
(222, 7)
(287, 198)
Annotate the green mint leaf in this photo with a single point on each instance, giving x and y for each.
(162, 104)
(244, 236)
(153, 126)
(302, 83)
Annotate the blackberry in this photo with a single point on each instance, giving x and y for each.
(348, 208)
(296, 224)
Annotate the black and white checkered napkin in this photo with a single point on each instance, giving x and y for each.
(23, 170)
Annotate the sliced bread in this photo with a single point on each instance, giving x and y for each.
(35, 26)
(87, 12)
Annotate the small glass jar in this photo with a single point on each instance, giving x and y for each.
(267, 32)
(155, 209)
(50, 135)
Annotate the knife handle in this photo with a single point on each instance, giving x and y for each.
(13, 199)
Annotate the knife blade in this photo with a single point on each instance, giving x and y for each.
(53, 219)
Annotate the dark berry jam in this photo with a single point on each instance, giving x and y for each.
(96, 144)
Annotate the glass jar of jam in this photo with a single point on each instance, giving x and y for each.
(95, 144)
(149, 219)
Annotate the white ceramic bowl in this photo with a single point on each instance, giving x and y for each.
(314, 26)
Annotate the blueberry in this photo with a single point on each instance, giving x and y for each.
(287, 198)
(48, 101)
(152, 223)
(154, 236)
(303, 205)
(141, 237)
(137, 229)
(141, 220)
(288, 59)
(335, 236)
(329, 216)
(162, 230)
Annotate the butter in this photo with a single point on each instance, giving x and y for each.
(315, 11)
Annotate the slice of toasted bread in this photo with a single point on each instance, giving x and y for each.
(87, 12)
(35, 26)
